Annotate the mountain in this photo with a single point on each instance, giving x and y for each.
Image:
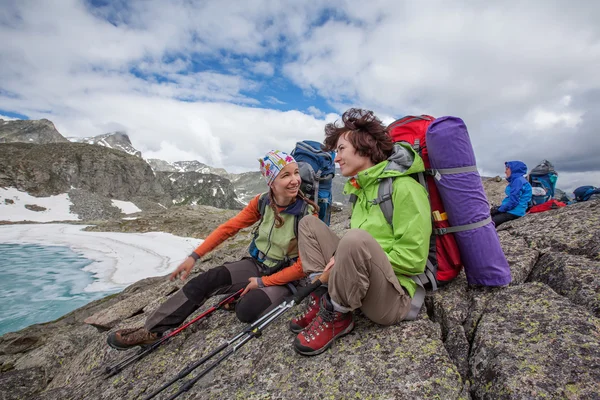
(247, 185)
(185, 166)
(114, 140)
(37, 131)
(194, 188)
(37, 159)
(93, 175)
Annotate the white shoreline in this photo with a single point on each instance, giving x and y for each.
(118, 259)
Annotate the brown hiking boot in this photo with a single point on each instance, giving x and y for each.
(124, 339)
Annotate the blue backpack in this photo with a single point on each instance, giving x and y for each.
(317, 170)
(583, 193)
(543, 182)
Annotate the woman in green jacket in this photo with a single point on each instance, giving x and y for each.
(370, 267)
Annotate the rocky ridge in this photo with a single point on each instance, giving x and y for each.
(186, 166)
(95, 170)
(94, 175)
(114, 140)
(537, 338)
(41, 131)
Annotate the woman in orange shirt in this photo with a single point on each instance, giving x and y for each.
(266, 274)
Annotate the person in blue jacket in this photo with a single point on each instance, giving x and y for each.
(518, 194)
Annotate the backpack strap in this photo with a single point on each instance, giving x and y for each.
(461, 228)
(262, 206)
(286, 261)
(384, 199)
(457, 170)
(437, 173)
(300, 216)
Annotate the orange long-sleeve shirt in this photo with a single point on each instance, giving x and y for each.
(247, 217)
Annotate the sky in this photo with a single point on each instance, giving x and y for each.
(224, 82)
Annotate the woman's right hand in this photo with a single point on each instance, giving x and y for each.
(184, 269)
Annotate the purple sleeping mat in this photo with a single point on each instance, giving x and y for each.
(451, 155)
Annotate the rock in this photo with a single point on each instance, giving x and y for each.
(30, 131)
(54, 168)
(93, 206)
(114, 140)
(196, 188)
(533, 343)
(35, 207)
(23, 384)
(95, 175)
(537, 338)
(575, 277)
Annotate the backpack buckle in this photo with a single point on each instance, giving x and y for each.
(440, 231)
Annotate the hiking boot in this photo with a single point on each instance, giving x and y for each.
(323, 330)
(311, 310)
(124, 339)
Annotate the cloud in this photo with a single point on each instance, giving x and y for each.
(312, 110)
(189, 80)
(274, 100)
(261, 67)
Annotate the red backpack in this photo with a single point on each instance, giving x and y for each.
(547, 206)
(446, 256)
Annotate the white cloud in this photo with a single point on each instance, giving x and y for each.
(522, 75)
(261, 67)
(312, 110)
(4, 117)
(274, 100)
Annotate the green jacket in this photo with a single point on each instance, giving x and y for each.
(406, 243)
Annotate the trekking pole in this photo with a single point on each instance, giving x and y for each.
(251, 331)
(115, 369)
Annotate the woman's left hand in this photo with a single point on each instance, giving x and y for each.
(252, 285)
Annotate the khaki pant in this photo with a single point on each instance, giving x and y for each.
(362, 276)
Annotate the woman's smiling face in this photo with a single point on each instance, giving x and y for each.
(350, 162)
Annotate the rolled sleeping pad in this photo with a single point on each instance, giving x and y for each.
(453, 161)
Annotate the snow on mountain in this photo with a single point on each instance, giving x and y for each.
(113, 140)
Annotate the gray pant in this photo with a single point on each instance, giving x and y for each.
(362, 276)
(226, 279)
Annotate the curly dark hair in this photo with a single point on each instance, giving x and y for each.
(365, 131)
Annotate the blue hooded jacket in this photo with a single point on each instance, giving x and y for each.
(518, 191)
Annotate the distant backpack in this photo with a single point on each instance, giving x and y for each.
(583, 193)
(443, 263)
(543, 182)
(317, 170)
(547, 206)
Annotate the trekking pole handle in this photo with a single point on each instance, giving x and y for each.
(306, 290)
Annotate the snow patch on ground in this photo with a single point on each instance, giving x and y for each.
(13, 201)
(126, 207)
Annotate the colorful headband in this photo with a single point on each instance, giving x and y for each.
(272, 164)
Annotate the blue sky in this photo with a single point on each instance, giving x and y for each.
(225, 82)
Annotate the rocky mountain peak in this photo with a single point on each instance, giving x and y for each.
(118, 140)
(186, 166)
(40, 131)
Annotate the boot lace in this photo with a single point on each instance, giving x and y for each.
(324, 320)
(307, 307)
